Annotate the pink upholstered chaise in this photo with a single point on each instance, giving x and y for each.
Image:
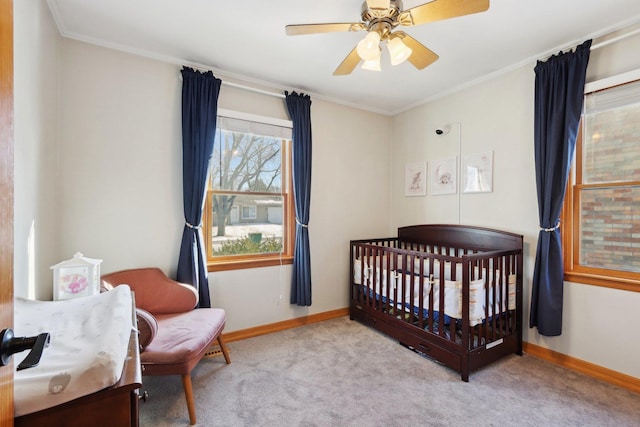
(174, 335)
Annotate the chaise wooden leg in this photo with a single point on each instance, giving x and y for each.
(188, 393)
(225, 350)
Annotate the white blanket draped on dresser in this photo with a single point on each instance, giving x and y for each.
(89, 342)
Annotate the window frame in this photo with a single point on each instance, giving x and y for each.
(244, 261)
(570, 214)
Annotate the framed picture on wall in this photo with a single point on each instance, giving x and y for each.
(415, 179)
(477, 172)
(443, 176)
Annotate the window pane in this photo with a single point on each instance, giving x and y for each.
(246, 162)
(249, 212)
(610, 232)
(611, 139)
(246, 224)
(612, 146)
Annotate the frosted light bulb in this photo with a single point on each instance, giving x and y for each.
(369, 47)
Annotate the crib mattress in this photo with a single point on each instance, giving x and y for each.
(431, 282)
(87, 351)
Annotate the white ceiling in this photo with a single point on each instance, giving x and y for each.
(246, 39)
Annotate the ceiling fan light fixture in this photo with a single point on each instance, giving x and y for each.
(372, 65)
(380, 18)
(369, 47)
(398, 51)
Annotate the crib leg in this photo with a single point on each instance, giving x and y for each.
(464, 368)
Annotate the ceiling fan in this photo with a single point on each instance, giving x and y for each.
(380, 18)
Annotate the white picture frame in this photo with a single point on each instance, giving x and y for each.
(477, 172)
(415, 179)
(444, 176)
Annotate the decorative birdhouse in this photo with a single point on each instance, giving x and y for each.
(77, 277)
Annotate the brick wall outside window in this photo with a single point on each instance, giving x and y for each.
(610, 215)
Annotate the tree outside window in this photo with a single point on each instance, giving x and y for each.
(248, 209)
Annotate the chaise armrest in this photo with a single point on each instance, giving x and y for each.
(154, 291)
(147, 327)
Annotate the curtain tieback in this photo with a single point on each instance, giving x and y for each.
(550, 230)
(195, 227)
(301, 224)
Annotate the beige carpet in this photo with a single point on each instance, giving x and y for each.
(341, 373)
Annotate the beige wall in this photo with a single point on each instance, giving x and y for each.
(498, 115)
(120, 180)
(120, 158)
(36, 64)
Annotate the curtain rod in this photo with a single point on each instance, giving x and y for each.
(601, 41)
(253, 89)
(236, 85)
(607, 41)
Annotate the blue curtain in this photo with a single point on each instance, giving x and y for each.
(559, 94)
(299, 107)
(199, 110)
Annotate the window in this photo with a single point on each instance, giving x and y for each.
(249, 212)
(601, 213)
(249, 217)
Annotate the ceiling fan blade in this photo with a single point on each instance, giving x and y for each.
(438, 10)
(348, 64)
(295, 30)
(421, 56)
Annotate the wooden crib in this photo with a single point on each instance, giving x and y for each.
(451, 292)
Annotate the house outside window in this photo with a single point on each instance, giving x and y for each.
(601, 213)
(249, 217)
